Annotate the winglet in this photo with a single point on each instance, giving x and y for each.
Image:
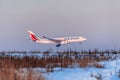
(32, 36)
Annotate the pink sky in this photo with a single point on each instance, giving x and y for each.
(98, 20)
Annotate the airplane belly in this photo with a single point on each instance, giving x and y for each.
(64, 42)
(46, 42)
(74, 41)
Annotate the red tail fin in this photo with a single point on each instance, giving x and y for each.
(32, 36)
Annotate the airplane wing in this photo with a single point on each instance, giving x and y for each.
(54, 40)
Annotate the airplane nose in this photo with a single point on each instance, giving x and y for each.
(85, 38)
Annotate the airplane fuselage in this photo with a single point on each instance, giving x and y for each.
(65, 40)
(58, 41)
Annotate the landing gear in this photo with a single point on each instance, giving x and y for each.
(58, 45)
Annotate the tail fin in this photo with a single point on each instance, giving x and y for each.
(32, 36)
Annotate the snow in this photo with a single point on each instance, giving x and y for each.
(109, 72)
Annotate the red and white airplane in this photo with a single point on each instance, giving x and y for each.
(57, 41)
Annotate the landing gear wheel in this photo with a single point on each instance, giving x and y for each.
(58, 45)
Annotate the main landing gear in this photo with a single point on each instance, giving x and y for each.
(58, 45)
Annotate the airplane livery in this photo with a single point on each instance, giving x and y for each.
(57, 41)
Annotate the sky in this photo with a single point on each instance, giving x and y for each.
(97, 20)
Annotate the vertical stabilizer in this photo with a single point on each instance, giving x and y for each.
(32, 36)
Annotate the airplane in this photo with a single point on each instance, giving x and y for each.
(57, 41)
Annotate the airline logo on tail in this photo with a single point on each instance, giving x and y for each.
(32, 36)
(57, 41)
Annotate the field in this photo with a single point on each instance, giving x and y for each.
(66, 65)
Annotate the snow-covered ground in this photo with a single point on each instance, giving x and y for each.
(111, 71)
